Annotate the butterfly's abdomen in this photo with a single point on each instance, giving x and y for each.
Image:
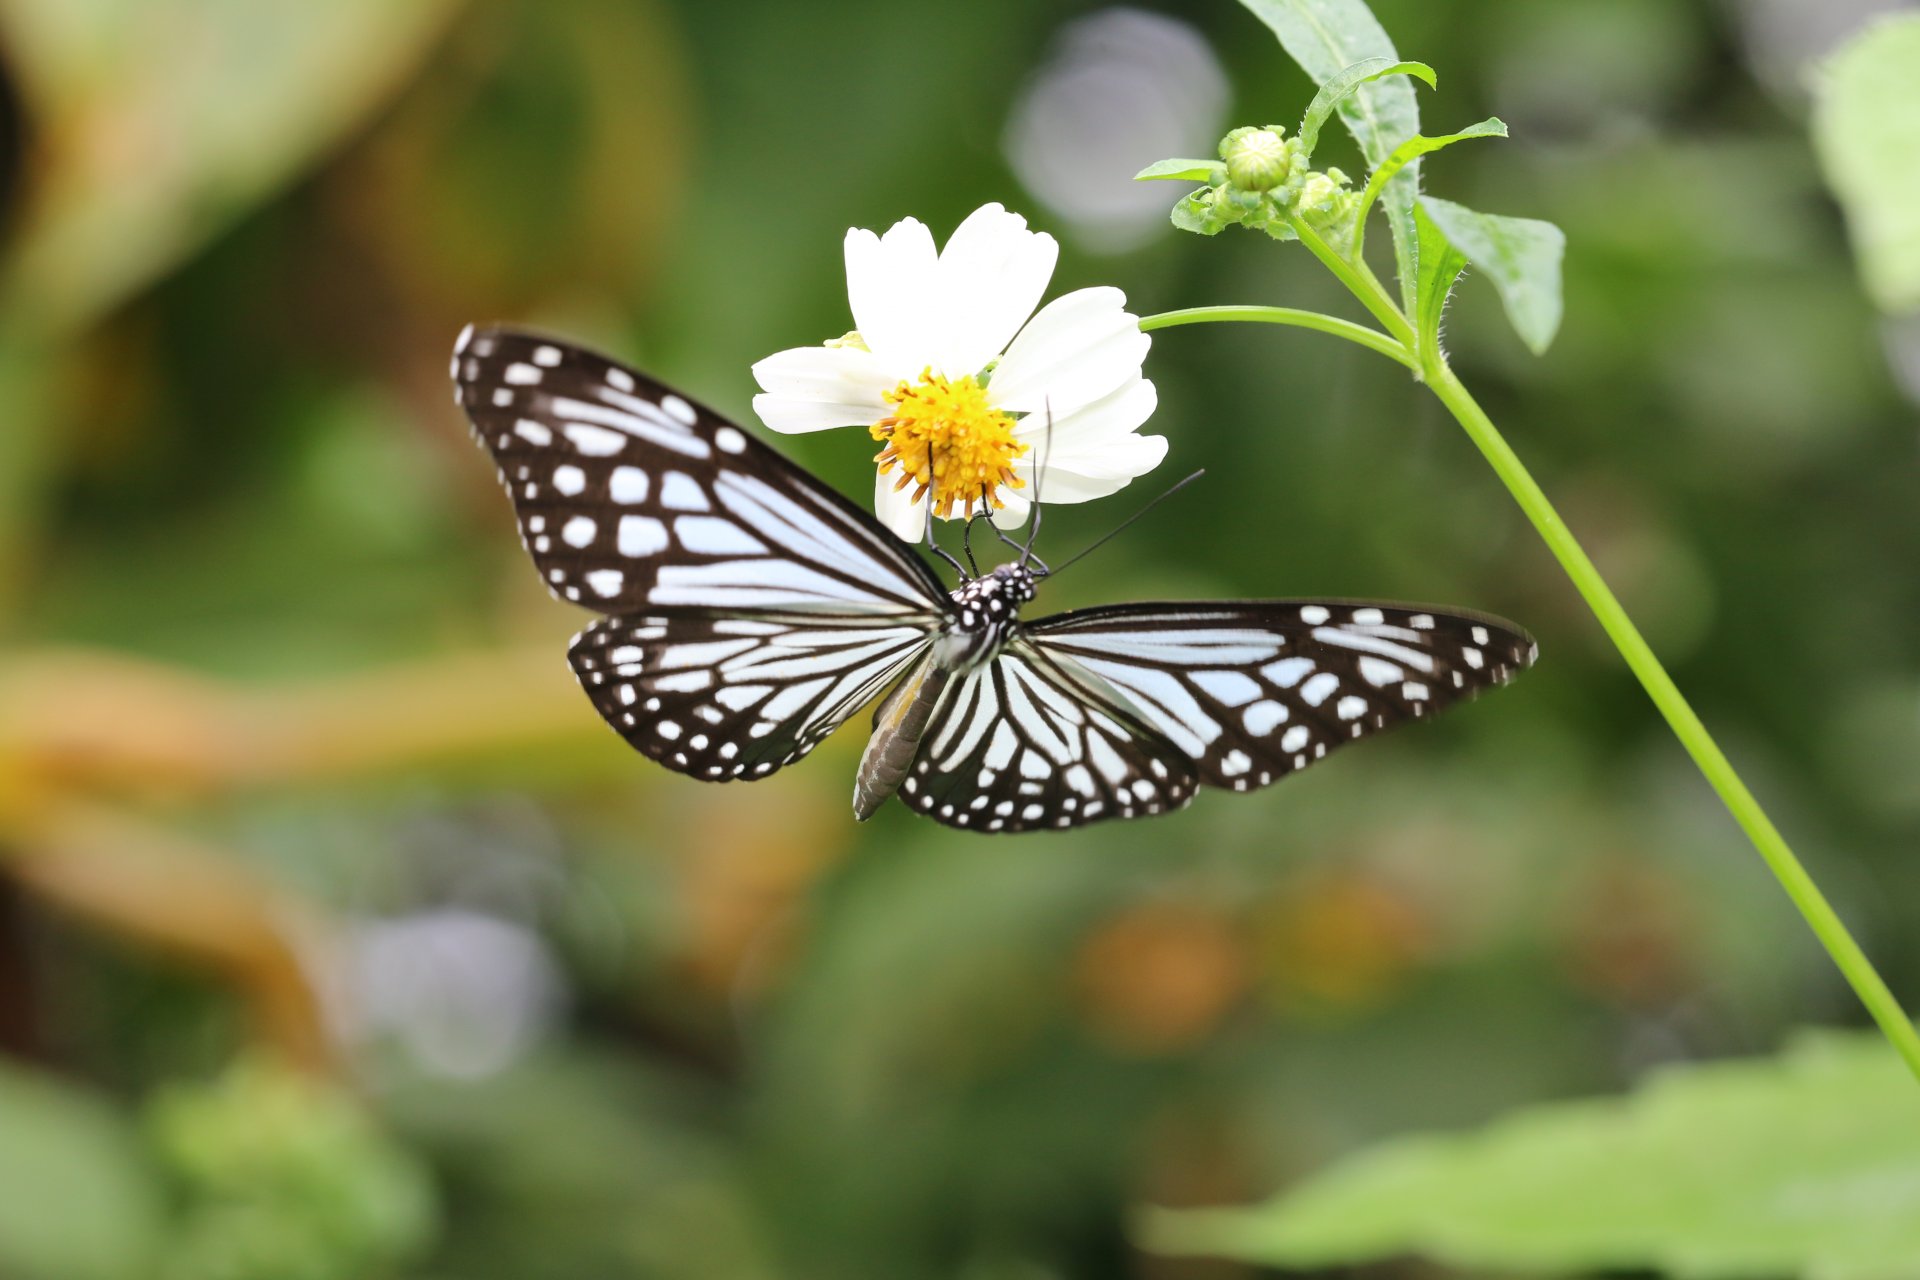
(898, 726)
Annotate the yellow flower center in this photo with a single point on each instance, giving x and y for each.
(945, 438)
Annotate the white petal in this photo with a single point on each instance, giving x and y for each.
(1014, 514)
(992, 274)
(1111, 416)
(1081, 478)
(1081, 346)
(811, 388)
(889, 280)
(897, 509)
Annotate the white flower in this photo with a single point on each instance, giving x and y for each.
(970, 390)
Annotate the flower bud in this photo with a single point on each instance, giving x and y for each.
(1257, 159)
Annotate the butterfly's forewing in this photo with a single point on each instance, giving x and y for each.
(1251, 692)
(724, 698)
(632, 499)
(1016, 745)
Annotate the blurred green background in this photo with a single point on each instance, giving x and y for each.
(338, 938)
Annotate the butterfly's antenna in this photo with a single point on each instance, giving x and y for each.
(1039, 478)
(1124, 524)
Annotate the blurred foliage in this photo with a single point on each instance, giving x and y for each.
(290, 760)
(1805, 1166)
(81, 1201)
(1867, 126)
(284, 1176)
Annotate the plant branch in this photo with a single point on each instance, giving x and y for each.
(1432, 368)
(1372, 339)
(1680, 716)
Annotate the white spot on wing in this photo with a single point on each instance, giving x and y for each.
(730, 440)
(606, 582)
(678, 408)
(628, 485)
(570, 480)
(521, 375)
(1313, 615)
(1295, 738)
(641, 536)
(579, 531)
(1261, 717)
(595, 442)
(682, 492)
(533, 432)
(1318, 689)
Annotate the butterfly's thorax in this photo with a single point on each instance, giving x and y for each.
(984, 612)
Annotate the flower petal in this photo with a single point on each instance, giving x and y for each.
(1014, 514)
(991, 276)
(1113, 415)
(812, 388)
(898, 510)
(1079, 347)
(889, 281)
(1083, 477)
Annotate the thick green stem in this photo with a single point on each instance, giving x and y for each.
(1360, 281)
(1686, 725)
(1398, 344)
(1372, 339)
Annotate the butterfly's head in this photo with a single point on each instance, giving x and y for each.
(1015, 582)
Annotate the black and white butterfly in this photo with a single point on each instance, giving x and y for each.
(750, 611)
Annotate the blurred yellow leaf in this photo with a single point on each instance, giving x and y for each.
(155, 126)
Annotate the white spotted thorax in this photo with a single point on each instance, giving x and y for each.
(986, 609)
(747, 611)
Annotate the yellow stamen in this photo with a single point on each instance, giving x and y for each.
(945, 438)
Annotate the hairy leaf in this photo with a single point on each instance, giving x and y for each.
(1178, 170)
(1336, 91)
(1807, 1164)
(1520, 255)
(1866, 126)
(1413, 148)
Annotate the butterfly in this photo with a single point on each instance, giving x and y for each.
(748, 611)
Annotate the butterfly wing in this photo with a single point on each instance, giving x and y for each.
(1250, 692)
(755, 609)
(633, 499)
(1019, 744)
(724, 698)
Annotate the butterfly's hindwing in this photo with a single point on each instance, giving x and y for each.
(630, 497)
(727, 698)
(1016, 746)
(1252, 692)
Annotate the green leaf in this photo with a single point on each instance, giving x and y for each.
(1866, 127)
(1520, 255)
(1440, 266)
(1327, 36)
(1194, 212)
(1412, 149)
(1335, 91)
(1807, 1164)
(77, 1200)
(1178, 170)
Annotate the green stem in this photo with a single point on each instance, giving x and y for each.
(1360, 281)
(1433, 369)
(1372, 339)
(1680, 716)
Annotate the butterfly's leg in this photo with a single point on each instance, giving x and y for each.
(941, 551)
